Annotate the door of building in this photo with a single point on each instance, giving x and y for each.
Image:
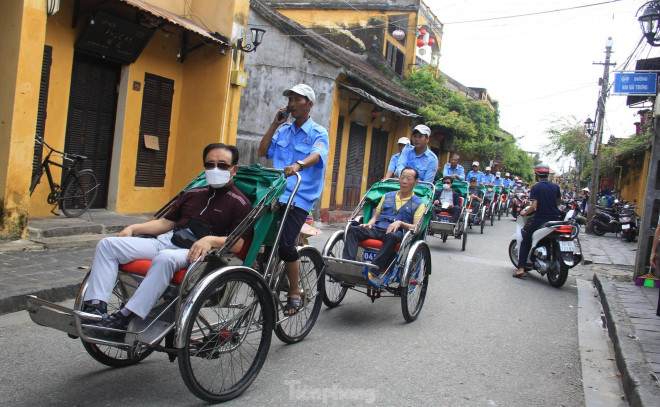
(378, 158)
(91, 118)
(353, 177)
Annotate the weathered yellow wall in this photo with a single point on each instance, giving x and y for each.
(332, 138)
(22, 41)
(632, 184)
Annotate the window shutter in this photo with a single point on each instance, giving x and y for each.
(43, 100)
(155, 121)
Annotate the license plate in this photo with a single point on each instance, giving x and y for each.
(444, 220)
(368, 256)
(566, 246)
(625, 227)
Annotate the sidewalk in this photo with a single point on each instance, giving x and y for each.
(629, 316)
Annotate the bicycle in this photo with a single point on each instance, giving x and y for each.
(79, 188)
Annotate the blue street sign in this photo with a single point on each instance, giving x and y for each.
(635, 83)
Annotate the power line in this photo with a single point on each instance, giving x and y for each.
(531, 14)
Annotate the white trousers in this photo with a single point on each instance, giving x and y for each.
(166, 259)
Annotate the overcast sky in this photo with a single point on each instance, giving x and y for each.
(540, 68)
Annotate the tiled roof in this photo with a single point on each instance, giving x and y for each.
(358, 68)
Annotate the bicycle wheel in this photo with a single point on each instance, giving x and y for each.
(227, 338)
(78, 193)
(109, 355)
(412, 297)
(334, 292)
(294, 328)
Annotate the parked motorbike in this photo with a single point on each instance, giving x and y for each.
(555, 249)
(518, 202)
(623, 220)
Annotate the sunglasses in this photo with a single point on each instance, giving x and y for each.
(222, 166)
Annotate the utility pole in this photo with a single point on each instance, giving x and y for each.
(600, 119)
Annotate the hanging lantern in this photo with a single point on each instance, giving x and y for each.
(398, 34)
(422, 32)
(431, 41)
(420, 42)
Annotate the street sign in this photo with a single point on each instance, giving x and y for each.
(635, 83)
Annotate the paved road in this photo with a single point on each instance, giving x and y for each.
(482, 339)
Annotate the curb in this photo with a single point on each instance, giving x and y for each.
(638, 384)
(17, 302)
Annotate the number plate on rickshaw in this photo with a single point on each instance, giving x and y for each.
(444, 220)
(566, 246)
(368, 256)
(625, 227)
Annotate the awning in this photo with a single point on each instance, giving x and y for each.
(177, 20)
(372, 99)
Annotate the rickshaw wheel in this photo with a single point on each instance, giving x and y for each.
(482, 221)
(444, 238)
(492, 216)
(292, 329)
(412, 297)
(334, 292)
(228, 340)
(110, 355)
(465, 235)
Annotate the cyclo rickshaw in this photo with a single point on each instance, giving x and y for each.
(217, 316)
(406, 277)
(480, 216)
(497, 207)
(444, 226)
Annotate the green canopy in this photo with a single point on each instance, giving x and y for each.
(377, 190)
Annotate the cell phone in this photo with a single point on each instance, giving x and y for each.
(283, 115)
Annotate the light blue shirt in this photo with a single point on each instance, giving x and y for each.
(506, 183)
(426, 163)
(393, 161)
(489, 178)
(447, 170)
(478, 175)
(497, 182)
(290, 145)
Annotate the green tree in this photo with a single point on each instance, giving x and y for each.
(567, 138)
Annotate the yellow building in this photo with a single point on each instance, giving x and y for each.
(137, 86)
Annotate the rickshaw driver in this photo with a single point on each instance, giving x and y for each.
(221, 207)
(476, 197)
(396, 212)
(419, 156)
(301, 145)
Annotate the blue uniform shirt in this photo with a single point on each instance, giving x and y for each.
(447, 170)
(426, 163)
(489, 178)
(393, 161)
(545, 194)
(290, 145)
(497, 181)
(506, 183)
(478, 175)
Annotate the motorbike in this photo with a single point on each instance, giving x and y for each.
(518, 202)
(623, 220)
(555, 249)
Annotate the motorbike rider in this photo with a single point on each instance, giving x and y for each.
(545, 198)
(519, 189)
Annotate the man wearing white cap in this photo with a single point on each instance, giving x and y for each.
(419, 156)
(506, 182)
(488, 177)
(391, 169)
(475, 173)
(301, 145)
(497, 182)
(453, 169)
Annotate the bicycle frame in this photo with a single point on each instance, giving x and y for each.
(45, 167)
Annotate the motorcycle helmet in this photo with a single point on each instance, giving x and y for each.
(542, 170)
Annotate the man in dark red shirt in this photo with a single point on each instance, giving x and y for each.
(216, 209)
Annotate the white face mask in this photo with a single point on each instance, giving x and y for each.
(446, 187)
(217, 178)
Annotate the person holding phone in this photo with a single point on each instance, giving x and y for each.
(301, 146)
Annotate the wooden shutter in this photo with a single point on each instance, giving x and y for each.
(155, 121)
(335, 164)
(43, 101)
(378, 159)
(353, 179)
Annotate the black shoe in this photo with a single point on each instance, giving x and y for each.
(117, 321)
(100, 309)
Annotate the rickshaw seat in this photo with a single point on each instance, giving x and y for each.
(375, 244)
(141, 267)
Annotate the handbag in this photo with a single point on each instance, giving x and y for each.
(184, 237)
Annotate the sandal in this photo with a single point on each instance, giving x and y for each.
(516, 275)
(294, 304)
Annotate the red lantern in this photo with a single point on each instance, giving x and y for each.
(420, 42)
(431, 41)
(422, 32)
